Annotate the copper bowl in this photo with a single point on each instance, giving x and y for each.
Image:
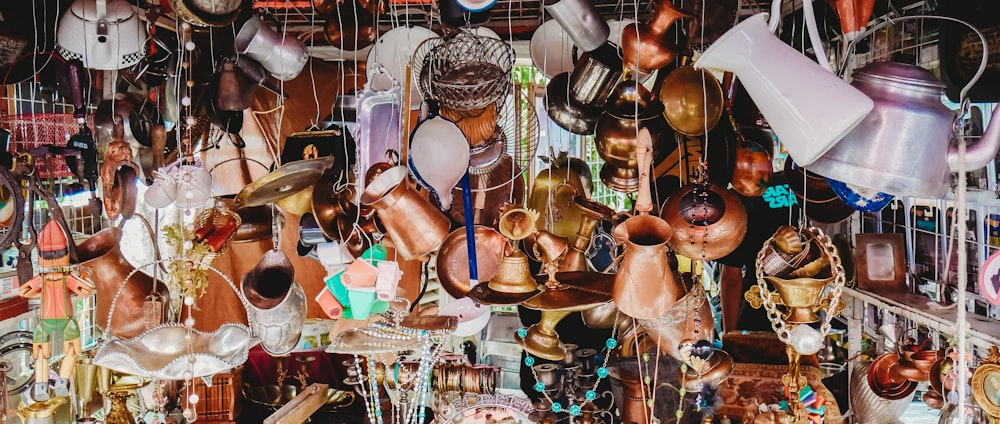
(924, 360)
(453, 258)
(884, 383)
(709, 222)
(720, 365)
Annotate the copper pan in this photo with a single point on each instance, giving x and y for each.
(884, 383)
(753, 168)
(453, 258)
(101, 257)
(822, 204)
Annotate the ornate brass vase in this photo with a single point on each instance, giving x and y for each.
(631, 107)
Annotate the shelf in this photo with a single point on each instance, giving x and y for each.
(984, 332)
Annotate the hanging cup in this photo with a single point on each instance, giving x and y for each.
(283, 55)
(581, 21)
(809, 108)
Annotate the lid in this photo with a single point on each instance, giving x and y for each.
(901, 73)
(117, 10)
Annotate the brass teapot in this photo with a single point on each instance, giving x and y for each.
(565, 179)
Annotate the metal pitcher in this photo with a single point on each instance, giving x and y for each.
(908, 109)
(416, 227)
(644, 285)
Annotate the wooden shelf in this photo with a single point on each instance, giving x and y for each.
(984, 332)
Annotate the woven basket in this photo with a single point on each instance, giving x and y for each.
(223, 221)
(466, 72)
(31, 131)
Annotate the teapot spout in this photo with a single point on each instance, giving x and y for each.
(979, 154)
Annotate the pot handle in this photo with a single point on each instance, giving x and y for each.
(975, 78)
(644, 156)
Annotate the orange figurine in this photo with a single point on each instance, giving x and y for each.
(54, 283)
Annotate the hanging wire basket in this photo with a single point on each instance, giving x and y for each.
(466, 72)
(216, 227)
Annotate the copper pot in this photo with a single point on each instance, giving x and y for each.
(753, 167)
(615, 135)
(351, 27)
(709, 222)
(101, 256)
(648, 47)
(692, 100)
(416, 227)
(753, 170)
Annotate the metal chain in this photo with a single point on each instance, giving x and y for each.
(836, 290)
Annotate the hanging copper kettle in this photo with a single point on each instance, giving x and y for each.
(709, 222)
(631, 107)
(644, 285)
(648, 47)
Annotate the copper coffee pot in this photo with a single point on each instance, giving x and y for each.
(645, 285)
(416, 227)
(648, 47)
(631, 107)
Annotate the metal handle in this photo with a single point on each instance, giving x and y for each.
(975, 78)
(644, 156)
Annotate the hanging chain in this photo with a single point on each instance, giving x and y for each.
(836, 290)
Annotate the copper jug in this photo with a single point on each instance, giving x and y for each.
(644, 285)
(416, 227)
(554, 189)
(631, 107)
(101, 257)
(648, 47)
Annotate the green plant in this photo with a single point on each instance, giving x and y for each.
(184, 277)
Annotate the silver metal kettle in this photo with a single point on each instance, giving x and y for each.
(905, 145)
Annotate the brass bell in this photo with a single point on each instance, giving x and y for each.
(513, 283)
(517, 223)
(548, 247)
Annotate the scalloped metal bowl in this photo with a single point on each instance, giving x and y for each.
(162, 352)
